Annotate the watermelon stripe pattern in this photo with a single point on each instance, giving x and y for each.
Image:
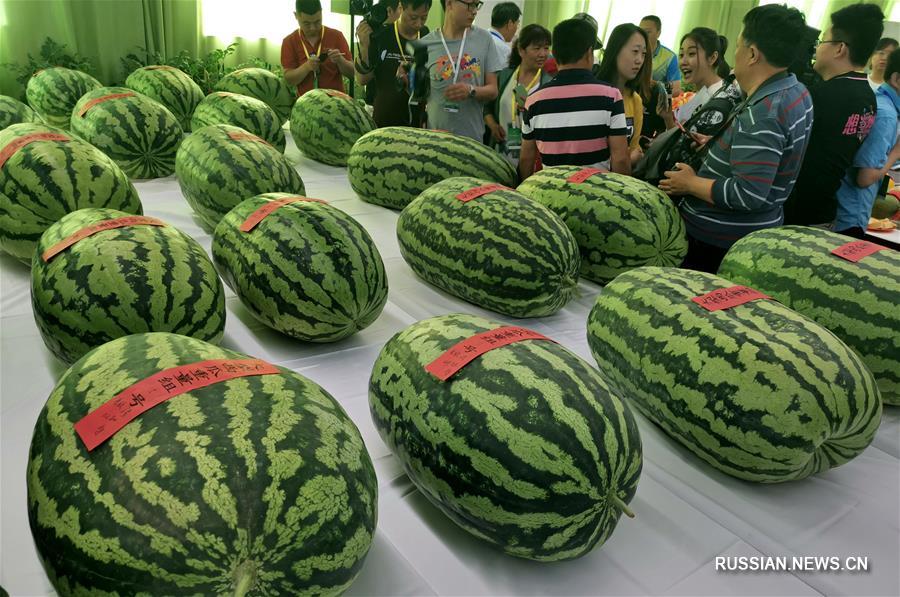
(620, 222)
(265, 86)
(391, 166)
(326, 123)
(525, 447)
(53, 93)
(12, 111)
(758, 391)
(45, 180)
(858, 302)
(216, 172)
(250, 114)
(254, 486)
(138, 133)
(501, 251)
(122, 281)
(307, 270)
(171, 87)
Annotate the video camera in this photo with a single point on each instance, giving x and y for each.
(375, 15)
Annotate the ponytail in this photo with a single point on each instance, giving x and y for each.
(722, 67)
(712, 43)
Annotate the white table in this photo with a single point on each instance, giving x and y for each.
(687, 513)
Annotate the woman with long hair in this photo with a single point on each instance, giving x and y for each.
(878, 61)
(702, 62)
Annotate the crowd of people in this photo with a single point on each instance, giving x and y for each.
(795, 132)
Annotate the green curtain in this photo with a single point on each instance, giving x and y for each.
(550, 12)
(725, 16)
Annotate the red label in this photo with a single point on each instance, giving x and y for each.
(106, 420)
(16, 144)
(466, 351)
(101, 99)
(160, 67)
(95, 228)
(264, 210)
(726, 298)
(247, 137)
(856, 250)
(335, 93)
(480, 191)
(582, 175)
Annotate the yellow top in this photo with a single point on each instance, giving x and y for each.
(634, 114)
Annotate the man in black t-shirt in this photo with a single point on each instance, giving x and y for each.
(380, 56)
(392, 8)
(844, 110)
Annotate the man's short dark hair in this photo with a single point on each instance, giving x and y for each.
(505, 12)
(572, 39)
(893, 64)
(859, 26)
(415, 4)
(308, 7)
(775, 29)
(653, 19)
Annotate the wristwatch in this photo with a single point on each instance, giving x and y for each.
(472, 91)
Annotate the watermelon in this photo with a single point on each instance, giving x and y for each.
(12, 111)
(757, 391)
(393, 165)
(501, 251)
(252, 115)
(138, 133)
(307, 270)
(122, 281)
(326, 123)
(258, 485)
(620, 222)
(858, 302)
(219, 166)
(171, 87)
(265, 86)
(53, 93)
(45, 180)
(525, 447)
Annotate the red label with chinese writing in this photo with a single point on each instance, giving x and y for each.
(480, 192)
(466, 351)
(16, 144)
(336, 93)
(101, 99)
(94, 229)
(582, 175)
(159, 67)
(247, 137)
(106, 420)
(263, 211)
(726, 298)
(856, 250)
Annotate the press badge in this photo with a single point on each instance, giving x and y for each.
(451, 107)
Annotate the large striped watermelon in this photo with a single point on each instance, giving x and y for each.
(45, 179)
(53, 93)
(171, 87)
(758, 391)
(252, 115)
(525, 447)
(620, 222)
(392, 165)
(12, 111)
(138, 133)
(264, 85)
(501, 251)
(326, 123)
(258, 485)
(122, 281)
(859, 302)
(221, 165)
(307, 269)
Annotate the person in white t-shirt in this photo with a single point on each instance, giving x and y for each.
(504, 25)
(878, 61)
(702, 62)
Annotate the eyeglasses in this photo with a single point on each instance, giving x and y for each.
(819, 42)
(472, 6)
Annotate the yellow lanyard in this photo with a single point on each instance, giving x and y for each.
(397, 36)
(318, 51)
(529, 87)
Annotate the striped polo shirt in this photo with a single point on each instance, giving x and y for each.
(571, 118)
(755, 164)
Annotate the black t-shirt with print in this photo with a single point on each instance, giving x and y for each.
(390, 102)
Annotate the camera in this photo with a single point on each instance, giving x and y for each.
(374, 15)
(417, 71)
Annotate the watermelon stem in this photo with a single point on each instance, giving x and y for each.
(618, 503)
(244, 578)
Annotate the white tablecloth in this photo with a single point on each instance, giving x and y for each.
(687, 513)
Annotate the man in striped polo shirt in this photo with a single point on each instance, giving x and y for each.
(575, 119)
(750, 170)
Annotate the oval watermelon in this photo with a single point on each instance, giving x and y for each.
(858, 302)
(757, 391)
(12, 111)
(44, 180)
(122, 281)
(326, 123)
(391, 166)
(221, 165)
(265, 86)
(620, 222)
(524, 447)
(171, 87)
(53, 93)
(307, 270)
(501, 251)
(252, 115)
(258, 485)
